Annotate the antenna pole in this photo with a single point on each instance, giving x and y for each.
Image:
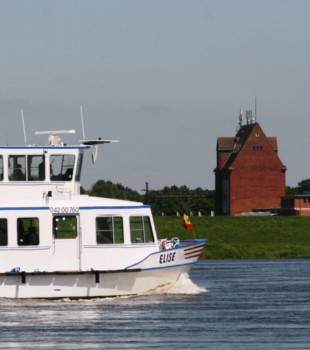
(255, 109)
(24, 127)
(82, 121)
(240, 118)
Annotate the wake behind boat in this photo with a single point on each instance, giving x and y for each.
(55, 242)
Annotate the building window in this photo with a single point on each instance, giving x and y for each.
(141, 229)
(17, 168)
(28, 231)
(3, 232)
(62, 167)
(1, 168)
(109, 230)
(257, 148)
(65, 226)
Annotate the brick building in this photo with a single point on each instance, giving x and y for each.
(301, 205)
(249, 174)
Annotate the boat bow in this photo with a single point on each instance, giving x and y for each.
(186, 252)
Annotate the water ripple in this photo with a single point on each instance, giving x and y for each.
(229, 305)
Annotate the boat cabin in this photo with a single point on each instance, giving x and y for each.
(46, 225)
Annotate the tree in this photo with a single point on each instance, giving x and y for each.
(304, 186)
(110, 190)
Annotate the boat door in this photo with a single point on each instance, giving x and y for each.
(66, 242)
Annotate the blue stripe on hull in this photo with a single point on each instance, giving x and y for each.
(80, 208)
(115, 207)
(24, 208)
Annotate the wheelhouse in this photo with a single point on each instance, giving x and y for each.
(43, 168)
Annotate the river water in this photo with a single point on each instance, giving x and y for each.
(249, 304)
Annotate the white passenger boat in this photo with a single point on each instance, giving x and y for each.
(55, 242)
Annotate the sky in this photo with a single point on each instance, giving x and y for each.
(165, 77)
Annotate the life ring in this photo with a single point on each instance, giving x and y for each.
(175, 241)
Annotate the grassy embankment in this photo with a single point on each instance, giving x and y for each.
(244, 237)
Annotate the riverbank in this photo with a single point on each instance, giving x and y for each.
(244, 237)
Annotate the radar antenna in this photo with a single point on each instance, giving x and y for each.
(54, 139)
(55, 132)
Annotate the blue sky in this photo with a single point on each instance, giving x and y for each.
(166, 77)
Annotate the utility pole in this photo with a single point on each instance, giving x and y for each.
(146, 192)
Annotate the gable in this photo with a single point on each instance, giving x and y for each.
(255, 150)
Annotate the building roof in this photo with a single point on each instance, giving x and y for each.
(234, 144)
(226, 144)
(304, 195)
(243, 133)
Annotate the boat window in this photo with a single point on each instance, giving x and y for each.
(62, 167)
(28, 231)
(3, 232)
(109, 230)
(1, 168)
(79, 167)
(141, 229)
(17, 168)
(65, 226)
(36, 168)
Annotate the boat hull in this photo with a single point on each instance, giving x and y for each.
(156, 270)
(88, 285)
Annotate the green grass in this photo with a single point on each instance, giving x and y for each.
(244, 237)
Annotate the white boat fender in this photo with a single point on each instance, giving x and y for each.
(164, 244)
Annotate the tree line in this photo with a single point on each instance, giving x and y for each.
(171, 200)
(168, 201)
(303, 187)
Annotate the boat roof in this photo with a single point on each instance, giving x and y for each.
(89, 200)
(29, 147)
(75, 201)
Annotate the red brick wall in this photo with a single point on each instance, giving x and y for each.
(257, 176)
